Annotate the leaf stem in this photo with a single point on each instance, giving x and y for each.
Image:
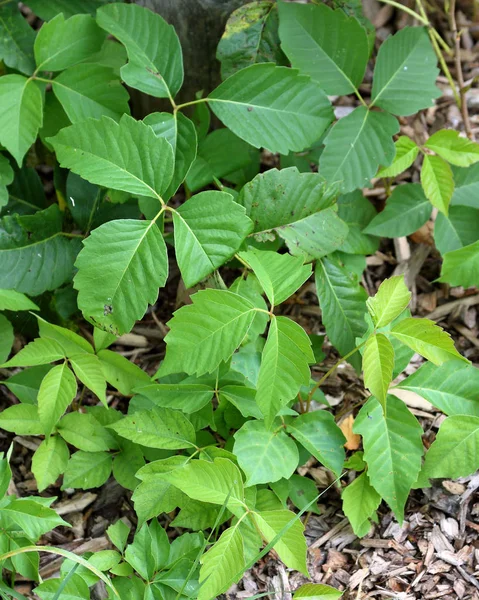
(408, 10)
(190, 103)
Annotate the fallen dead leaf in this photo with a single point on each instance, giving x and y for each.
(353, 440)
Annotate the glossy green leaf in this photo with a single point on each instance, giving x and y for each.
(62, 43)
(155, 64)
(7, 337)
(284, 366)
(317, 591)
(86, 470)
(320, 435)
(88, 369)
(12, 300)
(426, 338)
(86, 433)
(121, 267)
(16, 40)
(56, 392)
(437, 182)
(406, 210)
(209, 229)
(274, 107)
(460, 228)
(356, 146)
(360, 502)
(328, 45)
(406, 154)
(49, 461)
(378, 364)
(21, 419)
(206, 332)
(38, 352)
(389, 301)
(392, 448)
(405, 59)
(264, 455)
(452, 147)
(461, 267)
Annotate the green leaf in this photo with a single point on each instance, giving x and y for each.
(71, 343)
(198, 516)
(437, 182)
(274, 107)
(56, 392)
(26, 383)
(221, 563)
(360, 502)
(121, 373)
(452, 387)
(118, 534)
(317, 591)
(75, 588)
(461, 267)
(466, 186)
(454, 451)
(343, 304)
(16, 40)
(49, 461)
(84, 432)
(406, 153)
(264, 455)
(284, 367)
(48, 10)
(209, 228)
(405, 59)
(149, 550)
(158, 428)
(456, 230)
(378, 364)
(21, 419)
(155, 64)
(280, 275)
(12, 300)
(452, 147)
(21, 114)
(357, 212)
(91, 91)
(355, 147)
(123, 156)
(407, 209)
(250, 36)
(39, 352)
(291, 547)
(34, 519)
(426, 338)
(62, 43)
(89, 371)
(121, 267)
(127, 463)
(86, 470)
(328, 45)
(389, 301)
(206, 332)
(188, 397)
(320, 435)
(217, 482)
(7, 337)
(6, 176)
(392, 448)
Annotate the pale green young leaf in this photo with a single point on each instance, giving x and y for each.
(343, 304)
(39, 352)
(378, 364)
(217, 482)
(317, 591)
(274, 107)
(26, 383)
(437, 182)
(121, 373)
(280, 275)
(16, 40)
(34, 518)
(406, 154)
(88, 369)
(7, 337)
(407, 209)
(49, 461)
(452, 387)
(21, 419)
(457, 150)
(121, 267)
(93, 91)
(291, 547)
(360, 502)
(454, 451)
(155, 64)
(461, 267)
(355, 147)
(206, 332)
(56, 392)
(157, 428)
(21, 114)
(458, 229)
(209, 228)
(328, 45)
(62, 43)
(403, 60)
(71, 343)
(221, 563)
(84, 432)
(284, 366)
(320, 435)
(102, 339)
(123, 156)
(118, 534)
(389, 301)
(187, 397)
(426, 338)
(392, 448)
(264, 455)
(12, 300)
(86, 470)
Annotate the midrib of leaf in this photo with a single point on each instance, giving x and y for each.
(400, 68)
(12, 37)
(17, 248)
(70, 89)
(259, 106)
(21, 201)
(464, 440)
(253, 309)
(60, 51)
(352, 144)
(197, 240)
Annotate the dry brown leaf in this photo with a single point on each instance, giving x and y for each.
(353, 440)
